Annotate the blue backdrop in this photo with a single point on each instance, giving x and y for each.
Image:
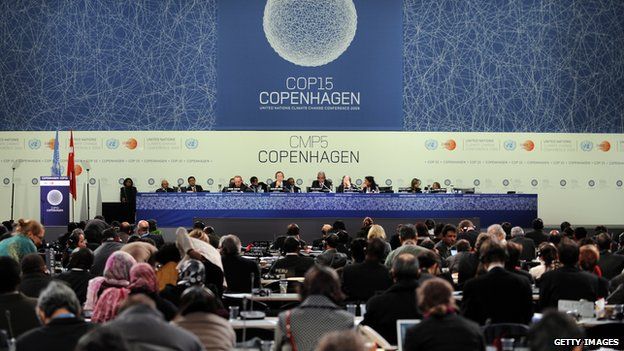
(473, 65)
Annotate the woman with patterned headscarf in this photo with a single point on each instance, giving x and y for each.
(100, 300)
(143, 281)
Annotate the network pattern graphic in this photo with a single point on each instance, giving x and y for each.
(474, 65)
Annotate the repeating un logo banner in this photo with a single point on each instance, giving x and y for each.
(309, 65)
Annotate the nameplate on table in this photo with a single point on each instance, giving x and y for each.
(584, 308)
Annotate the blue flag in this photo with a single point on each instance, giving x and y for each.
(56, 162)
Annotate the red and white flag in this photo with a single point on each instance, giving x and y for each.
(71, 172)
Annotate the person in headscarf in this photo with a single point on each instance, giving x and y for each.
(143, 281)
(192, 248)
(117, 279)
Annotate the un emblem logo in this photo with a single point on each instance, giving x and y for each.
(510, 145)
(191, 143)
(34, 144)
(586, 145)
(431, 144)
(112, 144)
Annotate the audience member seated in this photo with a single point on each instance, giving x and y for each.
(422, 233)
(192, 273)
(116, 275)
(145, 232)
(28, 236)
(469, 265)
(569, 282)
(102, 339)
(322, 182)
(77, 275)
(317, 314)
(111, 242)
(537, 235)
(125, 231)
(76, 240)
(442, 328)
(198, 314)
(167, 259)
(357, 250)
(213, 238)
(59, 311)
(143, 281)
(93, 231)
(291, 232)
(620, 250)
(498, 232)
(430, 267)
(449, 236)
(293, 262)
(141, 324)
(514, 250)
(398, 302)
(408, 244)
(580, 234)
(367, 222)
(239, 272)
(610, 264)
(34, 275)
(360, 281)
(554, 325)
(528, 246)
(318, 243)
(331, 257)
(463, 249)
(377, 231)
(548, 257)
(395, 239)
(466, 230)
(486, 298)
(19, 309)
(588, 259)
(342, 341)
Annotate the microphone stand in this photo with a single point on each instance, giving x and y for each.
(88, 200)
(12, 192)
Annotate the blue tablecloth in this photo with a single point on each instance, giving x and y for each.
(179, 209)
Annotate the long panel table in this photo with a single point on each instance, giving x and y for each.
(180, 209)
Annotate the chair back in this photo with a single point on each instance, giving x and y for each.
(493, 333)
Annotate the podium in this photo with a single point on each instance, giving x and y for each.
(54, 201)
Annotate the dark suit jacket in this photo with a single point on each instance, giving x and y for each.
(33, 283)
(327, 185)
(332, 258)
(528, 247)
(467, 268)
(168, 190)
(101, 254)
(360, 281)
(470, 235)
(449, 332)
(78, 281)
(198, 188)
(238, 273)
(158, 239)
(278, 244)
(398, 302)
(488, 296)
(61, 334)
(297, 266)
(128, 195)
(538, 237)
(610, 264)
(570, 283)
(22, 308)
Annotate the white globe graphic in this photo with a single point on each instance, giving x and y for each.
(310, 33)
(55, 197)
